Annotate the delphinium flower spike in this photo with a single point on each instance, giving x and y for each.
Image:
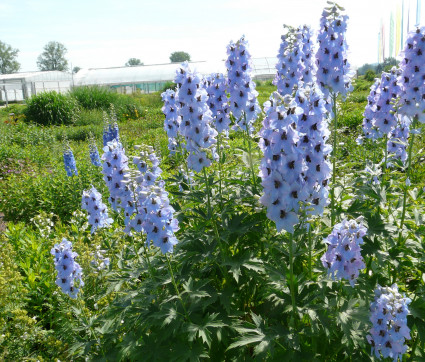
(282, 165)
(307, 56)
(68, 270)
(389, 330)
(154, 215)
(99, 262)
(69, 160)
(412, 103)
(115, 169)
(398, 140)
(384, 117)
(172, 119)
(333, 70)
(215, 85)
(96, 209)
(196, 118)
(290, 66)
(369, 130)
(313, 129)
(110, 126)
(94, 153)
(343, 258)
(148, 171)
(243, 96)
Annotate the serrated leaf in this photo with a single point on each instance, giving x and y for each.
(246, 340)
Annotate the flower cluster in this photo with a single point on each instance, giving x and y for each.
(69, 161)
(343, 258)
(310, 69)
(115, 168)
(333, 69)
(154, 214)
(243, 96)
(215, 85)
(389, 323)
(148, 172)
(110, 128)
(282, 165)
(290, 66)
(94, 154)
(160, 224)
(314, 132)
(412, 76)
(99, 261)
(96, 209)
(195, 118)
(172, 119)
(369, 130)
(384, 119)
(398, 139)
(68, 270)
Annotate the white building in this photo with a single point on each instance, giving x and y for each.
(19, 86)
(151, 78)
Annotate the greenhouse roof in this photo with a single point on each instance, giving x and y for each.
(53, 75)
(161, 72)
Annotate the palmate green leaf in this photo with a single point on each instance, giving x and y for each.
(202, 330)
(247, 339)
(194, 289)
(192, 352)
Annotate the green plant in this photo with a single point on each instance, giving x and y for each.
(51, 108)
(370, 75)
(168, 85)
(94, 97)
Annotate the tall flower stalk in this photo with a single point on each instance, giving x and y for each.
(333, 73)
(196, 118)
(412, 103)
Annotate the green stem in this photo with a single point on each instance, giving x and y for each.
(415, 343)
(384, 170)
(176, 289)
(251, 162)
(334, 109)
(291, 271)
(93, 332)
(409, 163)
(220, 171)
(309, 253)
(210, 210)
(147, 260)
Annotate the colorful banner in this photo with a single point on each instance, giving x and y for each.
(391, 40)
(397, 30)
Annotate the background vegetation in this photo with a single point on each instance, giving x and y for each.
(235, 288)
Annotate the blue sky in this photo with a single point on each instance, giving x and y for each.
(107, 33)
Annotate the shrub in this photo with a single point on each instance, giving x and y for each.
(90, 117)
(168, 85)
(94, 97)
(51, 108)
(370, 75)
(101, 98)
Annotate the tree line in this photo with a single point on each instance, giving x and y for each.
(53, 58)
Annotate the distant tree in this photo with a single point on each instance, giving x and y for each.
(386, 65)
(132, 62)
(370, 75)
(53, 57)
(8, 62)
(365, 67)
(75, 69)
(178, 57)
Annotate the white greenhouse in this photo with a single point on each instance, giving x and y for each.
(151, 78)
(144, 78)
(19, 86)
